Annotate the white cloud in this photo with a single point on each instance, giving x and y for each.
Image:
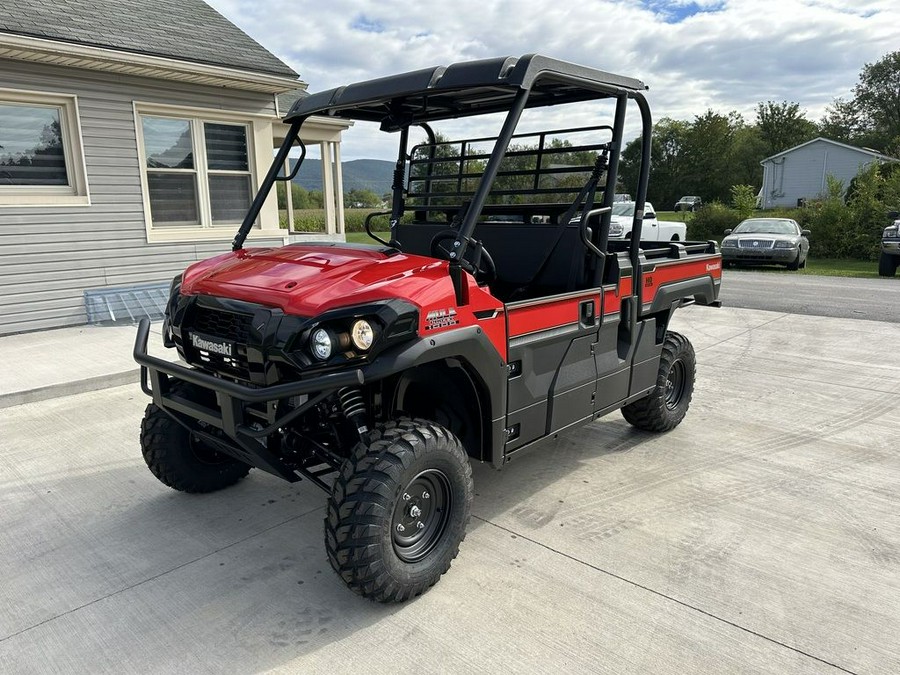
(694, 54)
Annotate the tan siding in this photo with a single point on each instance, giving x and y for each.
(50, 255)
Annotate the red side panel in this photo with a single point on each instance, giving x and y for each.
(679, 270)
(536, 316)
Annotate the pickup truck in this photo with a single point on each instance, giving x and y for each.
(653, 230)
(890, 250)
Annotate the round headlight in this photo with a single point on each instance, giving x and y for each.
(362, 335)
(321, 344)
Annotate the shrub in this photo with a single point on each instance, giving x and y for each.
(743, 198)
(711, 221)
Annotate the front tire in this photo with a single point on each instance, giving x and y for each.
(178, 458)
(887, 265)
(398, 510)
(795, 265)
(664, 407)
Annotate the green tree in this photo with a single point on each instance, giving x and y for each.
(872, 117)
(842, 122)
(707, 168)
(878, 98)
(361, 199)
(782, 126)
(666, 164)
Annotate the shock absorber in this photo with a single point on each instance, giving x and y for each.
(354, 408)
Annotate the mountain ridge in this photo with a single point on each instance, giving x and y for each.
(358, 174)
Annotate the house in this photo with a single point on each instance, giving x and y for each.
(133, 136)
(799, 173)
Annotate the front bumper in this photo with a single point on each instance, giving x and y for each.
(890, 246)
(780, 256)
(245, 434)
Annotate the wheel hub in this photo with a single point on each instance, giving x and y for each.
(675, 385)
(421, 515)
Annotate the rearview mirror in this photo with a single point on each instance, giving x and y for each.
(649, 215)
(805, 233)
(728, 231)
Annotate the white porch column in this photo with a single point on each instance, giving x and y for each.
(339, 187)
(328, 187)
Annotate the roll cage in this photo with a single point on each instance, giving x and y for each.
(506, 84)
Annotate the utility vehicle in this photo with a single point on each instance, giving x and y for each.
(495, 314)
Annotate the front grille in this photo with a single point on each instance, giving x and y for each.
(756, 243)
(230, 326)
(227, 325)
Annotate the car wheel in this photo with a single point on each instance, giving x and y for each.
(887, 265)
(398, 510)
(795, 265)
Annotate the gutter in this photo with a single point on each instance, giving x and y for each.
(40, 50)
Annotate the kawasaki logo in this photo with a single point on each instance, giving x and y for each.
(223, 348)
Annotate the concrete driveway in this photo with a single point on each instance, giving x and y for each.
(762, 535)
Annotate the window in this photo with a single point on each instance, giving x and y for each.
(40, 150)
(198, 172)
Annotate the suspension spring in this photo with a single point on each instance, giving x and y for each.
(353, 407)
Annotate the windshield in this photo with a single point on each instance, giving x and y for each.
(623, 209)
(766, 226)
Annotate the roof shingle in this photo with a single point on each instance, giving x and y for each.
(187, 30)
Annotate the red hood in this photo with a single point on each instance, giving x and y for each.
(306, 280)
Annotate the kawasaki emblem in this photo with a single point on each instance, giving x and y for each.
(214, 346)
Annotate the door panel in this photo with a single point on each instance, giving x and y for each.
(553, 375)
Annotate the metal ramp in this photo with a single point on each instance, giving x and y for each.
(126, 304)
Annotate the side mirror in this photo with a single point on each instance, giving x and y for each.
(649, 215)
(728, 231)
(805, 233)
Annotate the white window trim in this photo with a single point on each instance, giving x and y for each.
(259, 151)
(77, 192)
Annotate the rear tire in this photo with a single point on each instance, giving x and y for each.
(664, 407)
(179, 459)
(398, 510)
(887, 265)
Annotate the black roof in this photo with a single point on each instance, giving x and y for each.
(463, 89)
(186, 30)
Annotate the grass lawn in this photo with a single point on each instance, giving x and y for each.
(363, 238)
(828, 267)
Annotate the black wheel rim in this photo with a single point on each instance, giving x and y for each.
(675, 383)
(421, 515)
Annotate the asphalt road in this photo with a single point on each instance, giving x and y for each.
(838, 297)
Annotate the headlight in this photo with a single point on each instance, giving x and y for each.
(781, 243)
(321, 344)
(890, 232)
(729, 243)
(362, 335)
(616, 230)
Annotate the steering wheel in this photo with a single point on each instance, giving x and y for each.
(481, 265)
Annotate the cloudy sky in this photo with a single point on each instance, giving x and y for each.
(694, 55)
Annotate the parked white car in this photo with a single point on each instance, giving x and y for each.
(652, 229)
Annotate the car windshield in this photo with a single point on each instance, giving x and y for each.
(689, 199)
(766, 226)
(623, 209)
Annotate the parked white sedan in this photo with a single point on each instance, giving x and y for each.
(766, 241)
